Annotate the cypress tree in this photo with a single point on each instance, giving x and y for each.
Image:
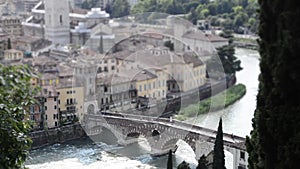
(219, 157)
(275, 138)
(170, 161)
(202, 163)
(101, 50)
(184, 165)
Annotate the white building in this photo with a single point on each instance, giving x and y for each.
(62, 24)
(57, 21)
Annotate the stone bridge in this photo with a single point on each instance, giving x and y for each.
(163, 134)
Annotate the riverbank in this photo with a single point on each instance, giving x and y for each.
(217, 102)
(247, 43)
(56, 135)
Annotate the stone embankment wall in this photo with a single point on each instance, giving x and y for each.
(57, 135)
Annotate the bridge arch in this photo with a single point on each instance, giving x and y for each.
(155, 135)
(97, 133)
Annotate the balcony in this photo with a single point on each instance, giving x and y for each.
(69, 111)
(71, 104)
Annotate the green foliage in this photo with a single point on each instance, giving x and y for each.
(170, 161)
(275, 138)
(15, 99)
(229, 62)
(219, 156)
(88, 4)
(202, 163)
(120, 8)
(220, 101)
(184, 165)
(205, 9)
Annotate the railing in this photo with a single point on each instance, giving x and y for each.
(167, 121)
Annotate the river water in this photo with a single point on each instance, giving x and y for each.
(85, 154)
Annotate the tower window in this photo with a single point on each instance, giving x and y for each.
(60, 19)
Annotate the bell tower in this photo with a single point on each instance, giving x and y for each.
(57, 21)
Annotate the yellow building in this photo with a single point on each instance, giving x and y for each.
(151, 83)
(145, 83)
(70, 100)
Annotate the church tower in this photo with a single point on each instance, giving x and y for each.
(57, 21)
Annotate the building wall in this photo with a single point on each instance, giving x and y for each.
(199, 46)
(29, 4)
(51, 111)
(13, 54)
(146, 88)
(74, 93)
(107, 65)
(11, 25)
(159, 85)
(57, 21)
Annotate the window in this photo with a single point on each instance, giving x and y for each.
(112, 67)
(56, 124)
(55, 99)
(105, 61)
(140, 88)
(68, 92)
(149, 86)
(55, 107)
(105, 69)
(60, 19)
(45, 107)
(54, 116)
(145, 87)
(242, 155)
(153, 85)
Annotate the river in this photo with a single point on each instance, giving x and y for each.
(84, 154)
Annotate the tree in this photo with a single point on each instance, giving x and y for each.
(202, 163)
(170, 161)
(184, 165)
(274, 142)
(193, 16)
(169, 44)
(8, 43)
(230, 63)
(15, 99)
(219, 157)
(174, 8)
(120, 8)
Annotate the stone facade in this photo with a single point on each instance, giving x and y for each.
(57, 21)
(11, 25)
(57, 135)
